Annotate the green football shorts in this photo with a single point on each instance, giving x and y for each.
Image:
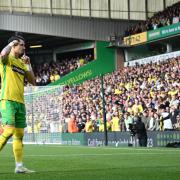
(13, 113)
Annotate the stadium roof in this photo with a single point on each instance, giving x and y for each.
(48, 42)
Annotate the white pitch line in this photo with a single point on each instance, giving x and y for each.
(78, 155)
(95, 154)
(118, 148)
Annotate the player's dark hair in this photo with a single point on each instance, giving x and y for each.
(16, 37)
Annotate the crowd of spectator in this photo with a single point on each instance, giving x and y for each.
(50, 72)
(170, 15)
(43, 109)
(150, 91)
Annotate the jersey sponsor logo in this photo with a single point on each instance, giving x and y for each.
(18, 70)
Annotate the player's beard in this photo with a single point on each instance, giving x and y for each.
(21, 54)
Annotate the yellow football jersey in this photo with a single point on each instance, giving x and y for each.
(12, 79)
(115, 124)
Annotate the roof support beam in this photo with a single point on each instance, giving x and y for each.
(128, 4)
(64, 26)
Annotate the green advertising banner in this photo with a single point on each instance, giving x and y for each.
(122, 139)
(155, 138)
(104, 63)
(55, 138)
(163, 32)
(73, 139)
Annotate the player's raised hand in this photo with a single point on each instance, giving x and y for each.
(26, 59)
(13, 43)
(7, 49)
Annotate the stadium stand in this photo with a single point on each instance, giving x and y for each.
(151, 91)
(170, 15)
(94, 82)
(50, 72)
(139, 90)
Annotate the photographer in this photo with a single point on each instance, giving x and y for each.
(140, 130)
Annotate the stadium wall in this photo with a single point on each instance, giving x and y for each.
(154, 59)
(149, 36)
(155, 139)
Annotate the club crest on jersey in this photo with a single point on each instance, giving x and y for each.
(18, 70)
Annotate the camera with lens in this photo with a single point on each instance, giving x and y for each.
(138, 128)
(133, 129)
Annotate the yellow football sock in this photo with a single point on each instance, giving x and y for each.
(17, 144)
(8, 132)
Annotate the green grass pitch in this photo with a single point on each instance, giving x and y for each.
(86, 163)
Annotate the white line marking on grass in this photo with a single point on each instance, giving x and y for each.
(117, 148)
(77, 155)
(95, 154)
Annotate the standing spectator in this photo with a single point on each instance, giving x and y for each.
(167, 123)
(177, 124)
(72, 124)
(157, 121)
(145, 118)
(140, 131)
(173, 114)
(88, 125)
(151, 121)
(115, 122)
(128, 120)
(80, 125)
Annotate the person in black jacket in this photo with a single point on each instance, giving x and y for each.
(140, 131)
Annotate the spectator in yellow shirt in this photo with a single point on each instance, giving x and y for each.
(81, 61)
(56, 76)
(137, 107)
(88, 125)
(115, 122)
